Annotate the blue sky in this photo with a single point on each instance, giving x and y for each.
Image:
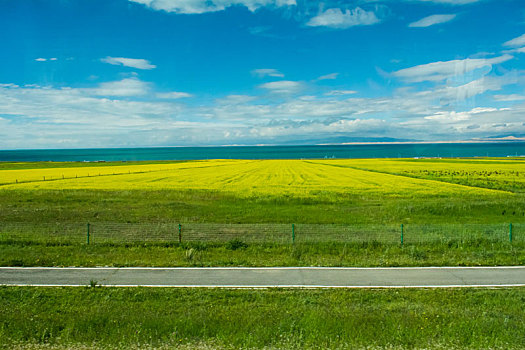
(126, 73)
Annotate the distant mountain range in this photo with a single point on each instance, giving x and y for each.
(509, 138)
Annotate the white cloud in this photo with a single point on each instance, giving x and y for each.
(44, 117)
(52, 117)
(336, 18)
(479, 110)
(519, 41)
(340, 92)
(438, 71)
(267, 72)
(453, 116)
(506, 98)
(517, 50)
(449, 116)
(235, 99)
(124, 87)
(129, 112)
(432, 20)
(43, 59)
(453, 95)
(173, 95)
(328, 76)
(283, 87)
(203, 6)
(74, 106)
(483, 126)
(317, 129)
(138, 63)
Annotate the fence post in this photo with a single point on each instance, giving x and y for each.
(401, 234)
(293, 233)
(180, 233)
(88, 232)
(510, 232)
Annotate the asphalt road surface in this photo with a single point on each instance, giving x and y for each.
(261, 277)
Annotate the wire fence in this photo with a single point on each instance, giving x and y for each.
(122, 233)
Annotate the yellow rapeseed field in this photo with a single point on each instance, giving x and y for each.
(503, 173)
(47, 174)
(481, 165)
(245, 178)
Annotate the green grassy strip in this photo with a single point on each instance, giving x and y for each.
(82, 206)
(284, 319)
(238, 253)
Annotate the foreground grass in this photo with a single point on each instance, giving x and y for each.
(238, 253)
(284, 319)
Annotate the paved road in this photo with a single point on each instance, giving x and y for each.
(267, 277)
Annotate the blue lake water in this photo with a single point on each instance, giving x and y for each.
(270, 152)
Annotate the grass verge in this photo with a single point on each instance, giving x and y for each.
(285, 319)
(238, 253)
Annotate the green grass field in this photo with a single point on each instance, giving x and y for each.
(125, 318)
